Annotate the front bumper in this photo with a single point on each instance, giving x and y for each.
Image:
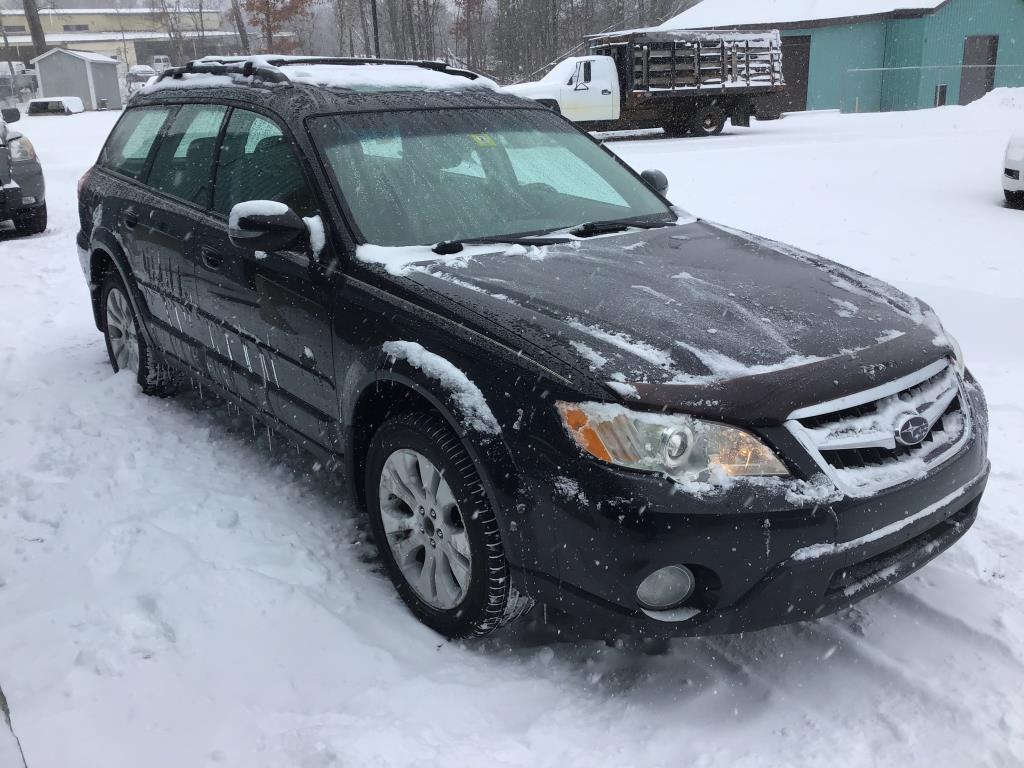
(764, 554)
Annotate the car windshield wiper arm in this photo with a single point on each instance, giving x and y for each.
(592, 228)
(449, 247)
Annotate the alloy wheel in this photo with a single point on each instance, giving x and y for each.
(425, 529)
(122, 331)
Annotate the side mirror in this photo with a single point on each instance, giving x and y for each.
(581, 86)
(265, 225)
(10, 114)
(656, 180)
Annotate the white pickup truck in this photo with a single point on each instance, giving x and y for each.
(683, 81)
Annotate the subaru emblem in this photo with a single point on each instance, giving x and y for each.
(912, 429)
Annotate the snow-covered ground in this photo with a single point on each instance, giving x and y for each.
(174, 592)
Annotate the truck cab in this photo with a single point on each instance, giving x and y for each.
(582, 88)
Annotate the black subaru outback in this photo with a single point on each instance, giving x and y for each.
(545, 384)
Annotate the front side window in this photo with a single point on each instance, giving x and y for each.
(257, 163)
(132, 139)
(423, 177)
(183, 165)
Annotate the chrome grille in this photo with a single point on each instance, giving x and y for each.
(854, 439)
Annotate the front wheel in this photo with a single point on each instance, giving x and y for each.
(436, 530)
(1014, 199)
(126, 345)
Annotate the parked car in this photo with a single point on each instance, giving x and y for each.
(139, 76)
(22, 188)
(684, 81)
(1013, 168)
(161, 62)
(56, 105)
(545, 384)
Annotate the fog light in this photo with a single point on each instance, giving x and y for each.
(666, 588)
(28, 200)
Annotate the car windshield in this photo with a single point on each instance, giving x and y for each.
(427, 176)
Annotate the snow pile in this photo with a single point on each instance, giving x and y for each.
(463, 391)
(998, 100)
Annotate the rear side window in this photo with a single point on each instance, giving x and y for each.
(183, 165)
(257, 163)
(129, 145)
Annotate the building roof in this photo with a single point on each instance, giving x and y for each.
(744, 13)
(104, 11)
(96, 58)
(58, 38)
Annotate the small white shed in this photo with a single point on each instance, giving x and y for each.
(92, 77)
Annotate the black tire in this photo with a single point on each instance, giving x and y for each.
(1014, 199)
(30, 221)
(490, 600)
(709, 121)
(154, 378)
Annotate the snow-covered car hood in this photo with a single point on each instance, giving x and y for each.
(690, 306)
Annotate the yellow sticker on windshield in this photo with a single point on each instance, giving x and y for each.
(483, 139)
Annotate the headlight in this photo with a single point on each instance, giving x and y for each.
(958, 354)
(22, 149)
(682, 447)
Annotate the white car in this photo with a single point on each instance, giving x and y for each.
(1013, 171)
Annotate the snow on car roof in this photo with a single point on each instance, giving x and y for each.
(352, 75)
(727, 13)
(381, 77)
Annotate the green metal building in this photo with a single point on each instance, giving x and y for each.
(870, 55)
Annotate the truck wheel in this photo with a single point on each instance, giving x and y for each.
(435, 528)
(1014, 199)
(30, 221)
(709, 121)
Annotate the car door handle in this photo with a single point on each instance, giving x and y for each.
(606, 92)
(212, 260)
(130, 219)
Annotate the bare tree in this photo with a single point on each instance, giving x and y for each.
(35, 26)
(170, 14)
(239, 21)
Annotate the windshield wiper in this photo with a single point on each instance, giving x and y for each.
(592, 228)
(449, 247)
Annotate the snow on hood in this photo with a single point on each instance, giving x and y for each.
(689, 304)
